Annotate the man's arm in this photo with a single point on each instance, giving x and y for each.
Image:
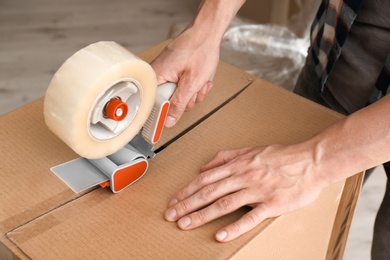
(359, 142)
(277, 179)
(192, 58)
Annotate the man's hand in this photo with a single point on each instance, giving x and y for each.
(272, 180)
(191, 59)
(191, 65)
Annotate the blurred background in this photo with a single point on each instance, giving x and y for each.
(267, 39)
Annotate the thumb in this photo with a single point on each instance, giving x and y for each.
(178, 104)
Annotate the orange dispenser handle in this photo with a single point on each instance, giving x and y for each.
(154, 126)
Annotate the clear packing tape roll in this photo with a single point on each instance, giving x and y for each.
(81, 89)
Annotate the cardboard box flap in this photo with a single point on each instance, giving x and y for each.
(28, 151)
(131, 225)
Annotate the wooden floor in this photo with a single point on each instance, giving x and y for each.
(37, 36)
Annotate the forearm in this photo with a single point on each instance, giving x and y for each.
(356, 143)
(213, 18)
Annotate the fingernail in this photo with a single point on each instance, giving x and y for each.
(172, 202)
(170, 121)
(184, 222)
(171, 214)
(221, 235)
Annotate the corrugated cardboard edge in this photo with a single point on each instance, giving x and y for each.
(344, 216)
(9, 251)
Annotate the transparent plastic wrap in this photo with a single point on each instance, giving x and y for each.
(271, 52)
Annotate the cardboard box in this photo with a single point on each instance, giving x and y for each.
(41, 218)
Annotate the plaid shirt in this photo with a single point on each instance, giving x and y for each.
(329, 32)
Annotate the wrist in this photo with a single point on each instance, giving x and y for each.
(212, 20)
(331, 161)
(307, 159)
